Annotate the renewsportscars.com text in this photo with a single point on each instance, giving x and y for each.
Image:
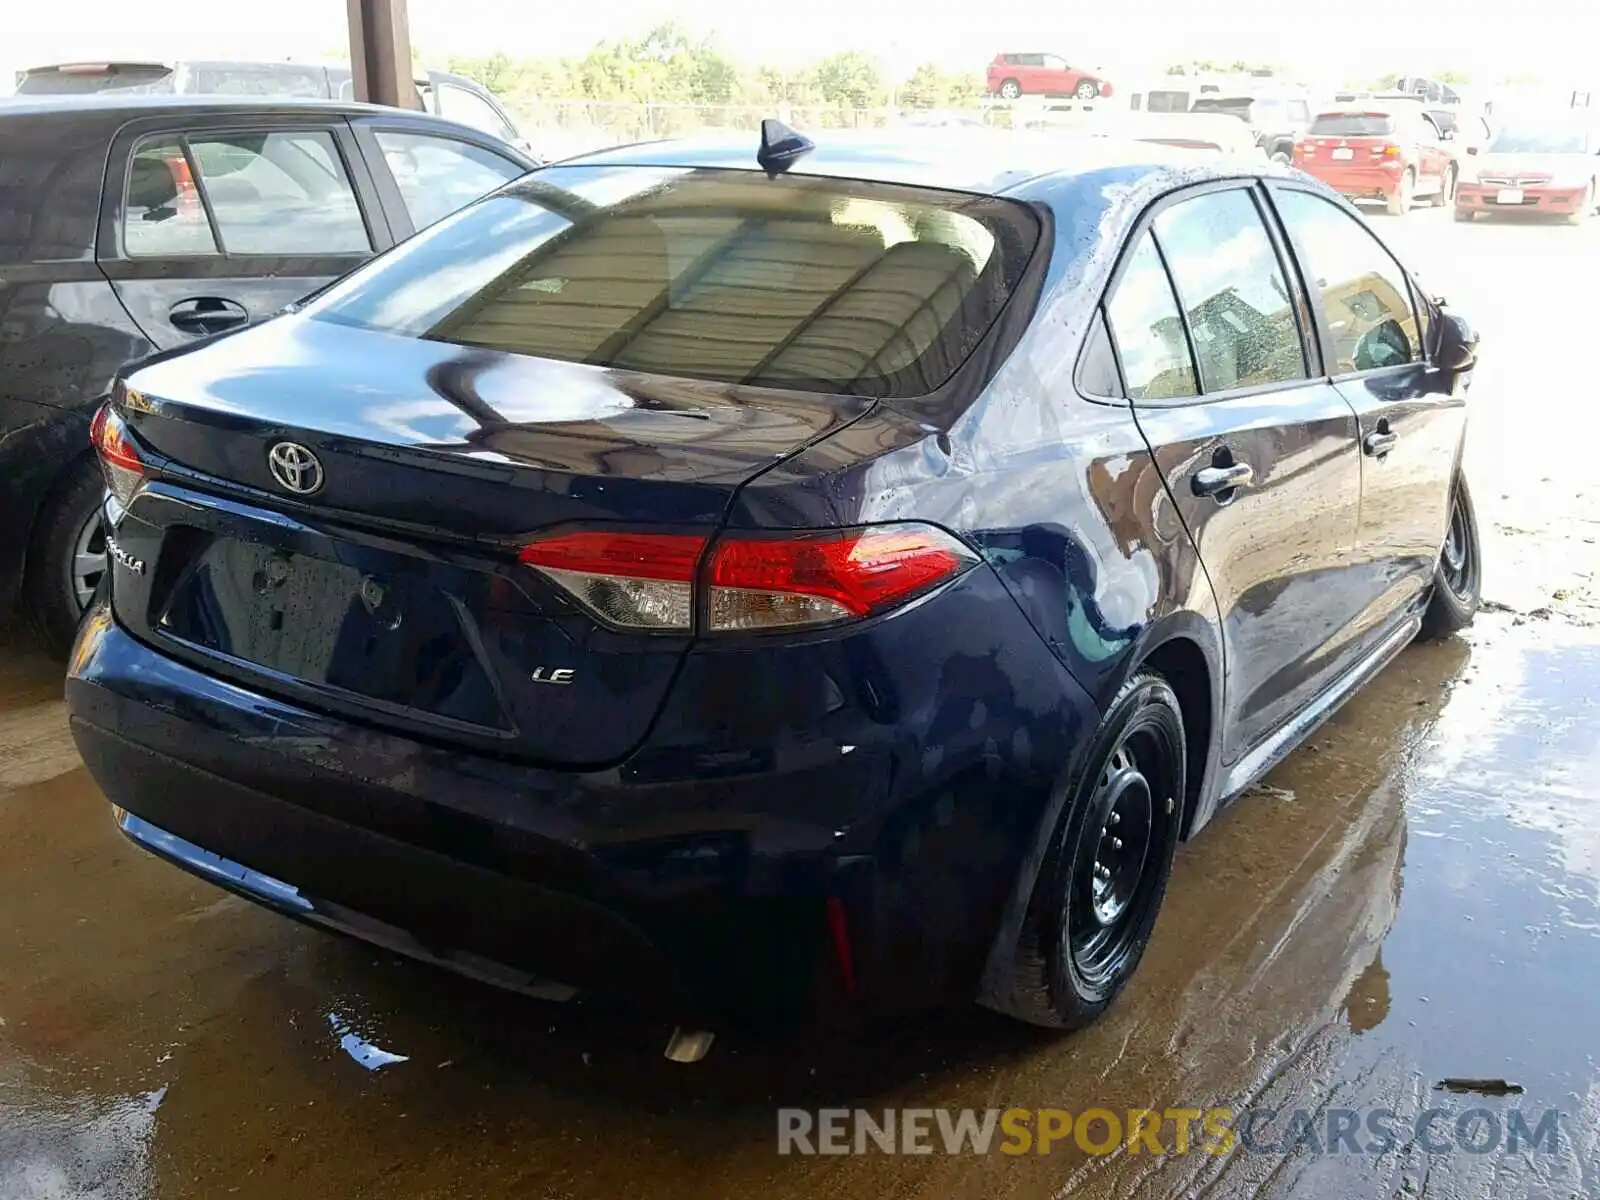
(1018, 1131)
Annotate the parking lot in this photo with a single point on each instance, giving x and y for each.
(1411, 899)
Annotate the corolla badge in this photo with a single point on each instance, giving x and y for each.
(295, 468)
(136, 565)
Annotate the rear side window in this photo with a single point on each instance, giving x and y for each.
(1352, 125)
(437, 175)
(469, 108)
(1233, 290)
(283, 193)
(810, 283)
(285, 80)
(1364, 293)
(162, 215)
(1148, 329)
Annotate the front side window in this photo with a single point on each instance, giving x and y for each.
(800, 282)
(279, 193)
(437, 175)
(1240, 311)
(1364, 293)
(1148, 330)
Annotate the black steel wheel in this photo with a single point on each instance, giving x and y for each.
(1100, 889)
(1458, 577)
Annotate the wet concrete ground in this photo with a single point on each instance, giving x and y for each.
(1412, 898)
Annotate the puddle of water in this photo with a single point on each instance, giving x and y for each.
(77, 1148)
(370, 1056)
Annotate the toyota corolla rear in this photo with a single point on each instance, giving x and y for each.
(504, 605)
(1353, 151)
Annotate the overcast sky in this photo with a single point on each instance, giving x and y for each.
(1350, 37)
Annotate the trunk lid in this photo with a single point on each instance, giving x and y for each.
(391, 591)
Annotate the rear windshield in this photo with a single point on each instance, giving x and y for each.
(94, 80)
(1353, 124)
(818, 284)
(1168, 102)
(1232, 107)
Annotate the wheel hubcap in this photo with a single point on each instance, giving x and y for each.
(88, 562)
(1118, 856)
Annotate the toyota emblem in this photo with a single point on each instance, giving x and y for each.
(295, 468)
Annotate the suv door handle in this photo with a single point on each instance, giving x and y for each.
(1380, 443)
(207, 314)
(1211, 481)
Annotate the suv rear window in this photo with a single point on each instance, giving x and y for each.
(823, 285)
(93, 79)
(1230, 107)
(1353, 124)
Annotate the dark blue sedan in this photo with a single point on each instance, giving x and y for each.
(755, 589)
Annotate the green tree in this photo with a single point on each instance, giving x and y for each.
(849, 78)
(930, 86)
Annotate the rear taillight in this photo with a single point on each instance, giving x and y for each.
(745, 582)
(119, 457)
(1389, 151)
(635, 580)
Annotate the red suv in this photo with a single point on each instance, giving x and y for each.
(1012, 75)
(1389, 151)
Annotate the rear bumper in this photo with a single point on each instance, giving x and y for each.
(1483, 197)
(705, 890)
(1358, 182)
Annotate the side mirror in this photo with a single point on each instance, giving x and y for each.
(1472, 149)
(1458, 344)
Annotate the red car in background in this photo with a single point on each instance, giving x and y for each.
(1013, 75)
(1550, 167)
(1379, 150)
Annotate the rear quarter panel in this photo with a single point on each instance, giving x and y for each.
(1060, 494)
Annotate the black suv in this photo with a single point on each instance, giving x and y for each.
(136, 224)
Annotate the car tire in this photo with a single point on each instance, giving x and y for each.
(1465, 214)
(1010, 89)
(1085, 931)
(1399, 201)
(62, 571)
(1585, 207)
(1458, 575)
(1087, 89)
(1447, 188)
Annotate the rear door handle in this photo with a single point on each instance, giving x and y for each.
(1211, 481)
(1380, 443)
(207, 314)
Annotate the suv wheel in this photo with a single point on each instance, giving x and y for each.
(1087, 89)
(1447, 188)
(1399, 203)
(1010, 89)
(67, 558)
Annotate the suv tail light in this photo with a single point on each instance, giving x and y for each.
(743, 582)
(1389, 151)
(119, 457)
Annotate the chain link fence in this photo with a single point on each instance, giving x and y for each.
(561, 128)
